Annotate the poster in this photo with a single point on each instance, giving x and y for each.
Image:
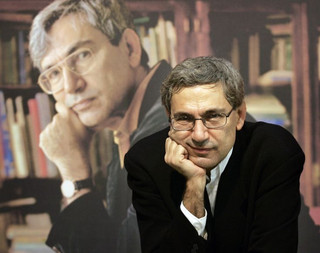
(275, 46)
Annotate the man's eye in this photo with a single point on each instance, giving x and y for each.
(83, 55)
(54, 74)
(181, 118)
(214, 116)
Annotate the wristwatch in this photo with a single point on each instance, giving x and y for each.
(69, 188)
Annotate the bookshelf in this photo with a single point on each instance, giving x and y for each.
(283, 36)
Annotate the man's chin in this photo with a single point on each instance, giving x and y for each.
(90, 123)
(203, 162)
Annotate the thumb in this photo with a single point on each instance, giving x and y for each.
(63, 110)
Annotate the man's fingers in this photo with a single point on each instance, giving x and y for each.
(174, 151)
(62, 109)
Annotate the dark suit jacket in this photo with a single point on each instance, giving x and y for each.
(257, 204)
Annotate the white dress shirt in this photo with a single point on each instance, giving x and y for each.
(212, 187)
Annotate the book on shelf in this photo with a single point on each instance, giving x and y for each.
(24, 60)
(281, 54)
(8, 167)
(15, 63)
(2, 170)
(17, 141)
(34, 148)
(172, 42)
(162, 38)
(20, 154)
(23, 140)
(254, 58)
(45, 115)
(150, 44)
(21, 58)
(9, 61)
(159, 41)
(36, 128)
(7, 157)
(267, 108)
(23, 128)
(31, 236)
(235, 53)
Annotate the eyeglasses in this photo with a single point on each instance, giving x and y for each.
(186, 122)
(79, 62)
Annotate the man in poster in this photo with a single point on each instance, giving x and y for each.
(93, 64)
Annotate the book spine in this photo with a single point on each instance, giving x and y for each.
(20, 159)
(34, 150)
(45, 116)
(162, 39)
(11, 122)
(21, 58)
(8, 169)
(34, 115)
(24, 148)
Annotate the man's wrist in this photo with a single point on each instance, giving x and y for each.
(193, 198)
(77, 195)
(198, 223)
(71, 190)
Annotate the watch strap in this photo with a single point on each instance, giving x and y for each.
(82, 184)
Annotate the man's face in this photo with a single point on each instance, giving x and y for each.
(100, 96)
(206, 147)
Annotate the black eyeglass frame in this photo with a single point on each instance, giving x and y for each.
(203, 121)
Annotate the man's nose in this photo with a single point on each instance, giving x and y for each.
(73, 82)
(199, 132)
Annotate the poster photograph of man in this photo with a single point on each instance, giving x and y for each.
(136, 126)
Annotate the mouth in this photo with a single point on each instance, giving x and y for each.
(200, 151)
(82, 105)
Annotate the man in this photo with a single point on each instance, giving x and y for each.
(92, 62)
(213, 182)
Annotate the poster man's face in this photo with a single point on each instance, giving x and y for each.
(100, 95)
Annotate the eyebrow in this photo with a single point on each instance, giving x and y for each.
(218, 110)
(72, 49)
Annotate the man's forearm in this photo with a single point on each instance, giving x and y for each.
(193, 198)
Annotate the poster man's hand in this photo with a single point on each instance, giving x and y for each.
(66, 142)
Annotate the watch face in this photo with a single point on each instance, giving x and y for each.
(67, 189)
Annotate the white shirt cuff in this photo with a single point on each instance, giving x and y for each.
(198, 223)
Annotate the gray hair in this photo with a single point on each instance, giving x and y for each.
(111, 17)
(204, 70)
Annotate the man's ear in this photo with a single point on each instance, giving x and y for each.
(241, 111)
(131, 42)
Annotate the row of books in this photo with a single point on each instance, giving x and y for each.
(159, 41)
(267, 107)
(15, 63)
(281, 54)
(31, 235)
(20, 154)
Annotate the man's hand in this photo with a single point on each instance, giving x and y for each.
(66, 142)
(177, 157)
